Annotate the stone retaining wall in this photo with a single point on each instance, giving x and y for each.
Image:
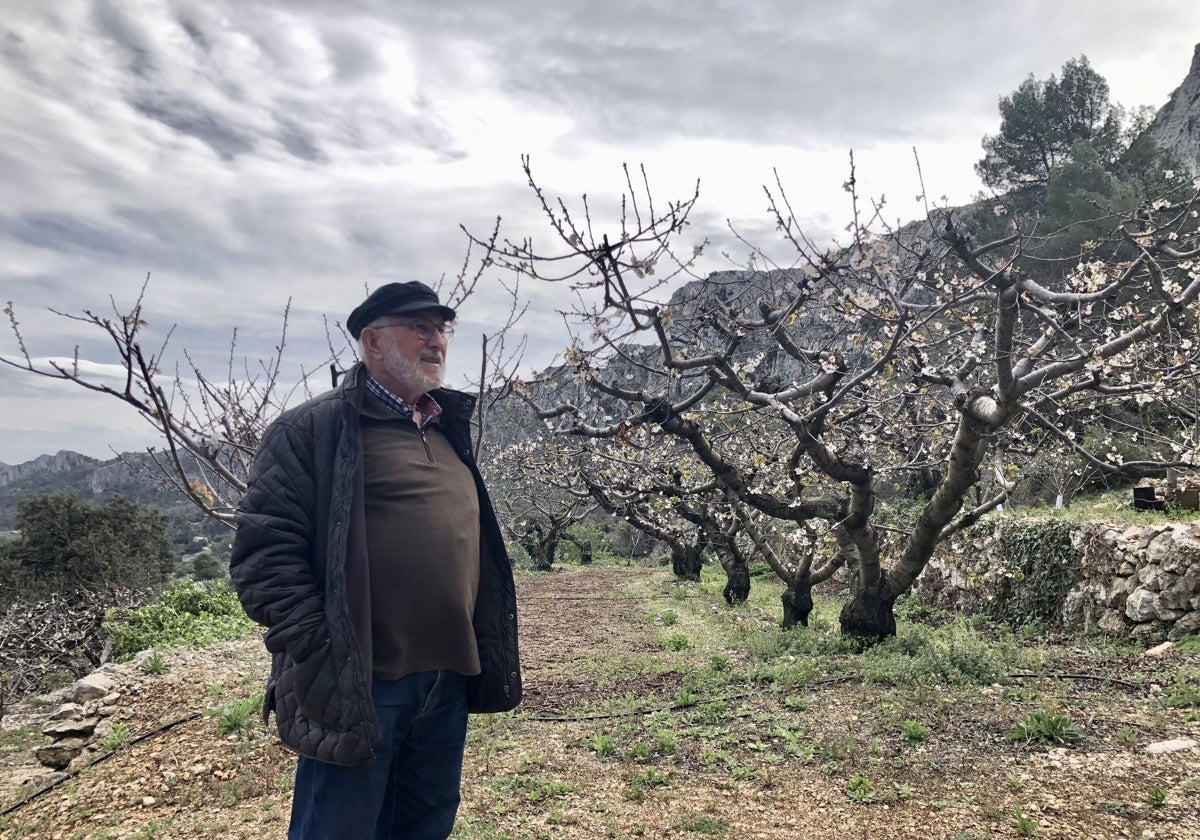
(1128, 580)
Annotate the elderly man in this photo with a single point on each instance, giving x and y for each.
(368, 547)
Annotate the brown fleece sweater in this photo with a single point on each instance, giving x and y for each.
(422, 519)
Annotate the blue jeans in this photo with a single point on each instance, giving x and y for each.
(410, 790)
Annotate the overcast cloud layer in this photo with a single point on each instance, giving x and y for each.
(248, 152)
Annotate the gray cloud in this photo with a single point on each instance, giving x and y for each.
(248, 152)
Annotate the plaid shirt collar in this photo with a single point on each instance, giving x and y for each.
(427, 405)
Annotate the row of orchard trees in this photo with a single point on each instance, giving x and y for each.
(1052, 330)
(797, 396)
(770, 413)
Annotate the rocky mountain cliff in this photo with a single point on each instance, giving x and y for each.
(1176, 126)
(62, 462)
(83, 477)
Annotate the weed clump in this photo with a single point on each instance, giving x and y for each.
(190, 614)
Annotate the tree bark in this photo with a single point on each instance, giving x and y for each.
(868, 618)
(797, 603)
(686, 562)
(737, 585)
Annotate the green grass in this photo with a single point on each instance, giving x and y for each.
(238, 715)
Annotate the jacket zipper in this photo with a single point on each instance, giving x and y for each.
(425, 443)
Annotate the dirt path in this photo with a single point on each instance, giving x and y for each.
(596, 645)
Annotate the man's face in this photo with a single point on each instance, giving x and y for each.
(407, 353)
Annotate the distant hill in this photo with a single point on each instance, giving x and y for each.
(85, 478)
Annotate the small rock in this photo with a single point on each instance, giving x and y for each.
(59, 754)
(82, 760)
(147, 801)
(1159, 650)
(66, 711)
(68, 728)
(42, 780)
(1174, 745)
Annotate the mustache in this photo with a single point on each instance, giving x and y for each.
(434, 356)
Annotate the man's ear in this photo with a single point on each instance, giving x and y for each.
(370, 341)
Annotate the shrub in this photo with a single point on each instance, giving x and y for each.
(861, 789)
(1041, 568)
(190, 614)
(913, 731)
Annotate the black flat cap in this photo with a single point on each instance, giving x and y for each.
(395, 299)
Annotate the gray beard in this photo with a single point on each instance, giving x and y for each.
(408, 374)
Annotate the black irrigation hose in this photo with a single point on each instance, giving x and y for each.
(97, 760)
(592, 597)
(1057, 676)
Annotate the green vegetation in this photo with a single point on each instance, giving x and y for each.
(190, 614)
(703, 824)
(532, 789)
(155, 663)
(116, 738)
(1041, 568)
(645, 781)
(1045, 727)
(236, 716)
(1024, 826)
(602, 744)
(913, 731)
(1067, 155)
(1126, 736)
(1184, 694)
(861, 789)
(68, 546)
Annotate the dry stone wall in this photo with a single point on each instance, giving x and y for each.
(1142, 582)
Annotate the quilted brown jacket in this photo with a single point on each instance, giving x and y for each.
(298, 565)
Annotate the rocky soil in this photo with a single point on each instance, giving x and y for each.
(753, 764)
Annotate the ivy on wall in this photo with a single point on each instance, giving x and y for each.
(1039, 567)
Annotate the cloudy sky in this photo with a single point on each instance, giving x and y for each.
(247, 152)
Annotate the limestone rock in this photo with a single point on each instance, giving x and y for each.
(1159, 650)
(1174, 745)
(1114, 622)
(1141, 605)
(1175, 125)
(1151, 577)
(1185, 626)
(70, 727)
(59, 754)
(93, 687)
(67, 711)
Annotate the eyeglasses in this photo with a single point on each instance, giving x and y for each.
(425, 329)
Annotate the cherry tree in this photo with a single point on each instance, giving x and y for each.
(904, 354)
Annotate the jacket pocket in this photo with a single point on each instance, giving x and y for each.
(313, 682)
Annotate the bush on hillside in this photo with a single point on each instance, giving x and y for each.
(190, 614)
